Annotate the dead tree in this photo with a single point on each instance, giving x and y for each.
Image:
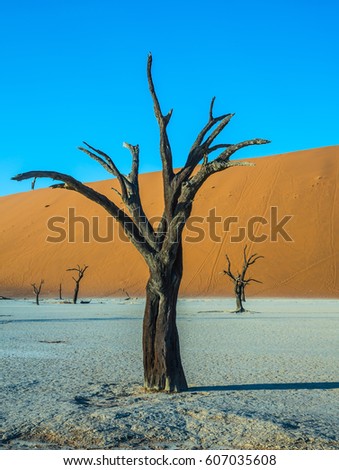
(161, 247)
(239, 280)
(77, 280)
(37, 290)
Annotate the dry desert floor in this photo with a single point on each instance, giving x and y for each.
(71, 376)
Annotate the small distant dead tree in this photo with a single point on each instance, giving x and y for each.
(124, 291)
(37, 290)
(81, 272)
(239, 280)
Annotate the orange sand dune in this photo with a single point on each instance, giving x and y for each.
(301, 184)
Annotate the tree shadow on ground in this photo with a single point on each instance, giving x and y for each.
(268, 386)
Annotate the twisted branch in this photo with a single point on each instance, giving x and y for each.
(70, 183)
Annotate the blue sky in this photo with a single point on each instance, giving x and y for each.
(75, 70)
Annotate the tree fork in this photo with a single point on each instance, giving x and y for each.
(239, 280)
(81, 273)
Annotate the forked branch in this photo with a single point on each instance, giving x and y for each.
(220, 163)
(248, 261)
(107, 163)
(228, 271)
(81, 272)
(70, 183)
(202, 147)
(37, 290)
(129, 187)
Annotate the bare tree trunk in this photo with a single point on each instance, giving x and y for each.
(37, 290)
(240, 307)
(60, 291)
(76, 292)
(162, 361)
(239, 292)
(81, 272)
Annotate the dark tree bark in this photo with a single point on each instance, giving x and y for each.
(162, 362)
(239, 280)
(161, 248)
(77, 280)
(239, 295)
(37, 290)
(60, 291)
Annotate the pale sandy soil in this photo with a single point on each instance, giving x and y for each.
(71, 377)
